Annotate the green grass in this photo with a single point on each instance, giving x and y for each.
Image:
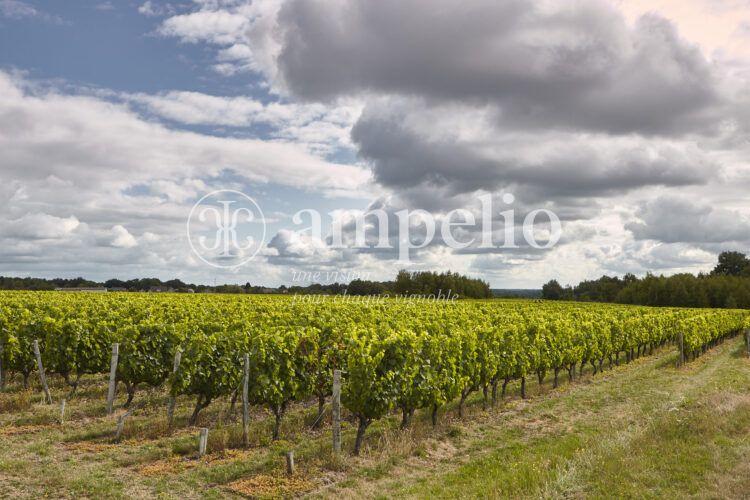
(645, 430)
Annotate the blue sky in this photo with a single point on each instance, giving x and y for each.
(628, 119)
(112, 46)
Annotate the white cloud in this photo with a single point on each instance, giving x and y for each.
(295, 245)
(245, 33)
(584, 111)
(713, 24)
(121, 238)
(35, 226)
(319, 127)
(152, 9)
(236, 52)
(16, 9)
(150, 237)
(672, 219)
(218, 27)
(130, 182)
(92, 142)
(178, 192)
(195, 108)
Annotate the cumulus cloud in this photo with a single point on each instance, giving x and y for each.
(566, 65)
(195, 108)
(218, 27)
(648, 256)
(318, 126)
(243, 32)
(671, 219)
(297, 245)
(408, 147)
(92, 142)
(154, 9)
(16, 9)
(121, 238)
(92, 187)
(552, 100)
(37, 226)
(584, 108)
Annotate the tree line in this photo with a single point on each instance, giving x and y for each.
(726, 286)
(430, 283)
(133, 285)
(406, 283)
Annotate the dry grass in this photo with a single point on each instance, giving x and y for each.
(22, 429)
(88, 447)
(726, 402)
(14, 402)
(176, 464)
(270, 486)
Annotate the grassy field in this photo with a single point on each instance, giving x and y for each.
(646, 429)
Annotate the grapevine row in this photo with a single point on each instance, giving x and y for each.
(395, 355)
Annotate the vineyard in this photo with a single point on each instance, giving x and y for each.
(393, 355)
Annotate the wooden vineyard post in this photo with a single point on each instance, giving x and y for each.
(290, 463)
(42, 377)
(172, 398)
(62, 412)
(245, 403)
(747, 344)
(2, 379)
(202, 441)
(336, 411)
(121, 425)
(681, 345)
(112, 378)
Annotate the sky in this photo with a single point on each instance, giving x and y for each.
(628, 119)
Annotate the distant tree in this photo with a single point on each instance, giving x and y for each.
(552, 290)
(115, 283)
(431, 283)
(731, 302)
(605, 289)
(403, 282)
(629, 278)
(364, 287)
(74, 283)
(176, 284)
(731, 264)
